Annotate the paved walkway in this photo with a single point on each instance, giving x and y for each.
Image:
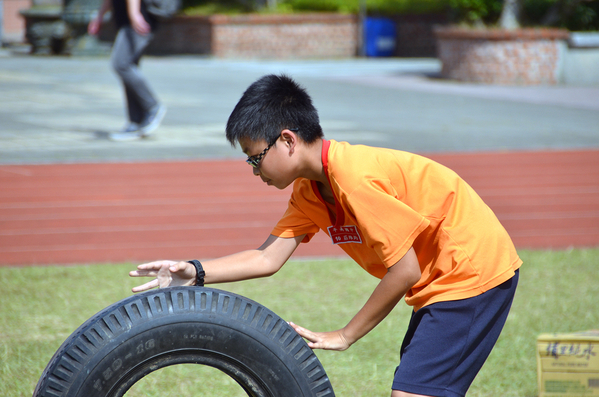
(532, 152)
(60, 109)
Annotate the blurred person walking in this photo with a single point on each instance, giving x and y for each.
(135, 32)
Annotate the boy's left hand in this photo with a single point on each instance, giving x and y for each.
(323, 340)
(166, 273)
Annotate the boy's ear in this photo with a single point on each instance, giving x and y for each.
(290, 138)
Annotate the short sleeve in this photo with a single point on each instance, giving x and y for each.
(389, 225)
(296, 221)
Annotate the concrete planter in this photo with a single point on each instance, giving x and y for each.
(313, 35)
(582, 63)
(508, 57)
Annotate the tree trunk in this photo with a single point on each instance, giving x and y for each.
(510, 14)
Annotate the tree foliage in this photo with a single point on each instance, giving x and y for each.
(475, 12)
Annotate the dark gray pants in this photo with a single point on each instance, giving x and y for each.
(126, 52)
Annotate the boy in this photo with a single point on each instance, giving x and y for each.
(405, 219)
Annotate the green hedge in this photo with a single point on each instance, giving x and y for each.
(575, 15)
(379, 7)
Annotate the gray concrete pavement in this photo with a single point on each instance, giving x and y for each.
(61, 109)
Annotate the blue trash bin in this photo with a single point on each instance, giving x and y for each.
(379, 37)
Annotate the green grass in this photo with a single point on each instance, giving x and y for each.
(41, 306)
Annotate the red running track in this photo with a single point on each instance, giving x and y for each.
(92, 213)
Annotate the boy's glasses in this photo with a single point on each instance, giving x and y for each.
(254, 161)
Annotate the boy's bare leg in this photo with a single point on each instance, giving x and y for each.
(397, 393)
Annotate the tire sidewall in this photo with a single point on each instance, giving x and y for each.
(110, 347)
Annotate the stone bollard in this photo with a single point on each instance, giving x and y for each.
(53, 28)
(44, 28)
(77, 14)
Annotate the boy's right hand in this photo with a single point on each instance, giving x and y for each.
(139, 24)
(166, 273)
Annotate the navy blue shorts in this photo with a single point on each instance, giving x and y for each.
(447, 343)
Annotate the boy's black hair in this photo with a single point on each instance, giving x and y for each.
(270, 105)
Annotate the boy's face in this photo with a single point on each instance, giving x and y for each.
(269, 161)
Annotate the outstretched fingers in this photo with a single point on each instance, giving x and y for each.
(146, 286)
(160, 270)
(150, 266)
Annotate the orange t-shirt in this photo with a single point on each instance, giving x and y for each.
(387, 201)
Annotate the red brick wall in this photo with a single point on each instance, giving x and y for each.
(13, 23)
(521, 57)
(260, 36)
(182, 35)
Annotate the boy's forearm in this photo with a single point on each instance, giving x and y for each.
(382, 301)
(394, 285)
(244, 265)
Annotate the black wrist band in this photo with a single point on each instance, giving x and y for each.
(200, 273)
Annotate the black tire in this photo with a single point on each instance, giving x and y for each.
(143, 333)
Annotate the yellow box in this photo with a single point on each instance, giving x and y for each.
(568, 364)
(569, 384)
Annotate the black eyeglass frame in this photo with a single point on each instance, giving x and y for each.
(254, 161)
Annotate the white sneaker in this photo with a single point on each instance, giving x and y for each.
(125, 136)
(152, 120)
(130, 127)
(130, 132)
